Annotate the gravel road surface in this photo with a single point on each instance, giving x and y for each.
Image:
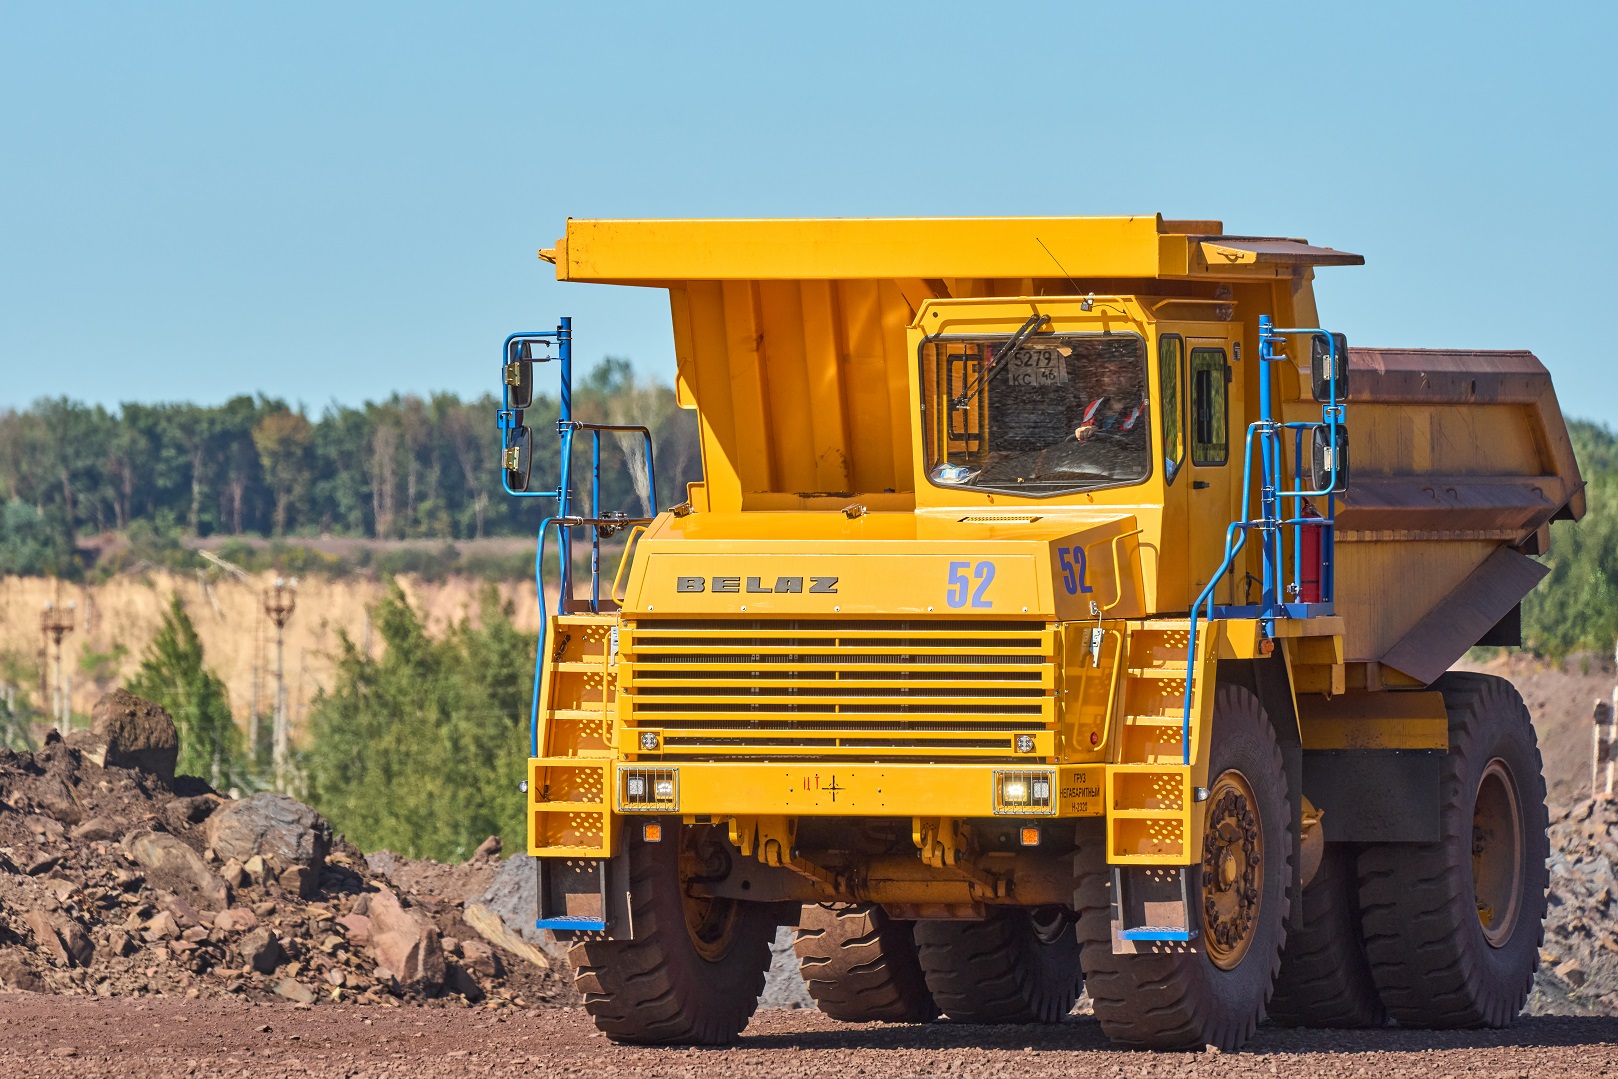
(61, 1036)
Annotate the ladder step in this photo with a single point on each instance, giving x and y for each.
(1155, 721)
(583, 668)
(576, 713)
(569, 807)
(1166, 672)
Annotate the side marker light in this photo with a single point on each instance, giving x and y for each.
(1029, 836)
(652, 832)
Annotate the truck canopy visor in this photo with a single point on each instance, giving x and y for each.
(1059, 413)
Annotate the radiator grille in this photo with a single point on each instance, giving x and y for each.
(850, 689)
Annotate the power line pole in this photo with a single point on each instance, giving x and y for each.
(56, 622)
(258, 651)
(279, 603)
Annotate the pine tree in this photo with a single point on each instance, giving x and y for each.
(173, 674)
(420, 751)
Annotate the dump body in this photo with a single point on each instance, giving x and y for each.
(932, 564)
(1463, 460)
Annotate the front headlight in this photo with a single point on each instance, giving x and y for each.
(1024, 792)
(648, 790)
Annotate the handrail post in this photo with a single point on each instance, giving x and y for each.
(566, 518)
(595, 530)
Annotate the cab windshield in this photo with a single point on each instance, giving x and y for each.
(1053, 414)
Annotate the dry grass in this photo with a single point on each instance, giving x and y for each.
(236, 635)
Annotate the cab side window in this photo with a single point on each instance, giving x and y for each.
(1210, 411)
(1170, 355)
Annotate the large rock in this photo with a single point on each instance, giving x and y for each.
(15, 975)
(46, 938)
(132, 732)
(273, 826)
(405, 943)
(490, 927)
(262, 949)
(169, 861)
(513, 894)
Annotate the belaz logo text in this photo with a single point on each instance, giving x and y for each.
(754, 584)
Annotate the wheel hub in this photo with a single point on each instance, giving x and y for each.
(1497, 853)
(709, 921)
(1232, 870)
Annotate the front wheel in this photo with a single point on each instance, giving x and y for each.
(694, 972)
(1215, 994)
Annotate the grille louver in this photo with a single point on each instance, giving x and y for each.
(852, 690)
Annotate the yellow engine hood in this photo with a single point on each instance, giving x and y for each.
(962, 565)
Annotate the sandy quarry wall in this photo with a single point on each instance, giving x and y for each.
(237, 637)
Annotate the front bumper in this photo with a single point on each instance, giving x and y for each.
(577, 804)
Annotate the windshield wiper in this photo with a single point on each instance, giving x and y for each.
(1018, 339)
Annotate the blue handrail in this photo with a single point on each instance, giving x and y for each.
(509, 420)
(1271, 521)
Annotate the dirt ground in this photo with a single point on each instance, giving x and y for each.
(79, 1036)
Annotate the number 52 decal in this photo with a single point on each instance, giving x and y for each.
(960, 584)
(1071, 560)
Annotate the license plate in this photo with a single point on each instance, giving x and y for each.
(1037, 367)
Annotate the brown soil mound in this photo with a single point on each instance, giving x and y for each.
(108, 887)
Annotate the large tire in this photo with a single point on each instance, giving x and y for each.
(1185, 1000)
(1015, 966)
(861, 966)
(1325, 978)
(693, 973)
(1453, 928)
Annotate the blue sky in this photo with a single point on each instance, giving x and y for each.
(333, 202)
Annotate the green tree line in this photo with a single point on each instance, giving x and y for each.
(405, 468)
(1575, 608)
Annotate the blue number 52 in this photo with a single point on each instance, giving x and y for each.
(1074, 584)
(959, 584)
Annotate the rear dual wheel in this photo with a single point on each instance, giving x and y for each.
(1015, 966)
(860, 965)
(1325, 978)
(1453, 928)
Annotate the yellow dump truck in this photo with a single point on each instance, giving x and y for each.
(1061, 604)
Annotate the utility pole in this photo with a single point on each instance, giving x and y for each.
(258, 650)
(279, 603)
(1602, 758)
(56, 622)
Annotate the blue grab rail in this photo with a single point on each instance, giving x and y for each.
(566, 519)
(1272, 521)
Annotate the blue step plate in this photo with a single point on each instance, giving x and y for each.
(1154, 932)
(586, 924)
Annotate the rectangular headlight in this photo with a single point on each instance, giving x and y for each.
(1024, 792)
(648, 790)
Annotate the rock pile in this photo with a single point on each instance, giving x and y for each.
(1579, 959)
(117, 879)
